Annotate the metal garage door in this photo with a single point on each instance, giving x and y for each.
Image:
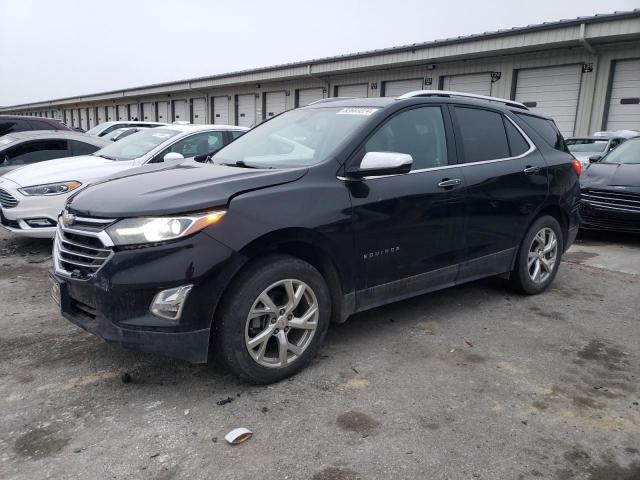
(133, 111)
(246, 112)
(199, 107)
(552, 91)
(274, 103)
(476, 83)
(123, 113)
(111, 113)
(92, 117)
(399, 87)
(68, 117)
(221, 110)
(83, 119)
(309, 95)
(149, 111)
(180, 111)
(163, 112)
(358, 91)
(624, 104)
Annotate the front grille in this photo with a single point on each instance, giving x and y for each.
(608, 223)
(610, 200)
(82, 249)
(7, 200)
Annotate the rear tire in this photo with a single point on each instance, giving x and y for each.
(273, 319)
(538, 257)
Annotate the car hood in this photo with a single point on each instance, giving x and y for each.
(82, 168)
(186, 187)
(601, 175)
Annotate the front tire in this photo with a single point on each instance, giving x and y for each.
(273, 319)
(538, 257)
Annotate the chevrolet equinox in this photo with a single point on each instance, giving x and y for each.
(318, 213)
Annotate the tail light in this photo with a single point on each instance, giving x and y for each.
(577, 166)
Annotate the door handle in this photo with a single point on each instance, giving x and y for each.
(449, 182)
(530, 170)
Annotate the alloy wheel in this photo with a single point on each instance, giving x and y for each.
(281, 323)
(543, 253)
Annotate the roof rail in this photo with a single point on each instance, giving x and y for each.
(330, 99)
(447, 93)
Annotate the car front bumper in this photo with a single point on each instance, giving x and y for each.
(114, 303)
(595, 218)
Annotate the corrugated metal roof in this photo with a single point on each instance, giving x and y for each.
(356, 55)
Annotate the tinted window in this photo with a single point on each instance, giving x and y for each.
(628, 153)
(418, 132)
(547, 130)
(112, 128)
(38, 125)
(36, 151)
(482, 134)
(82, 148)
(235, 134)
(517, 144)
(8, 125)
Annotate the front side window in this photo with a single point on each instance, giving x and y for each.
(136, 145)
(38, 125)
(626, 153)
(296, 138)
(482, 134)
(198, 144)
(36, 151)
(418, 132)
(13, 125)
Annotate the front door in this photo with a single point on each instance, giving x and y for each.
(408, 228)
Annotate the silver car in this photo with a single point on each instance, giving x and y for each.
(105, 128)
(24, 148)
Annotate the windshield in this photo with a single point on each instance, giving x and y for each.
(627, 153)
(580, 145)
(296, 138)
(136, 145)
(95, 130)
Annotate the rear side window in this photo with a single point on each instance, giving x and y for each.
(38, 125)
(418, 132)
(517, 144)
(9, 125)
(236, 133)
(82, 148)
(482, 134)
(37, 151)
(546, 129)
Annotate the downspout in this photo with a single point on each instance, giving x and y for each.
(585, 42)
(326, 82)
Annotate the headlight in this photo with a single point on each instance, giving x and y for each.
(50, 188)
(132, 231)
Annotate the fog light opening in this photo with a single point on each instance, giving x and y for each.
(169, 303)
(40, 222)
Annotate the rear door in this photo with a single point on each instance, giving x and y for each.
(506, 182)
(409, 228)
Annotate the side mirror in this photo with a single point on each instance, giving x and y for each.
(595, 158)
(383, 163)
(172, 156)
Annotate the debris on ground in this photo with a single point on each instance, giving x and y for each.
(238, 436)
(265, 409)
(468, 343)
(224, 401)
(125, 377)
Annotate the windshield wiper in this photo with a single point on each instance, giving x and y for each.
(242, 164)
(104, 156)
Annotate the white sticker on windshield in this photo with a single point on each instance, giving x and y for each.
(358, 111)
(161, 135)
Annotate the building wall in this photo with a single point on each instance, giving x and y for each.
(593, 95)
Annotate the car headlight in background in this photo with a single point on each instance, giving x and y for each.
(131, 231)
(50, 188)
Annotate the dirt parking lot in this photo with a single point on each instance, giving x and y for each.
(471, 382)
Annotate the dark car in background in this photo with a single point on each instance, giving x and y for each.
(17, 123)
(24, 148)
(610, 198)
(319, 213)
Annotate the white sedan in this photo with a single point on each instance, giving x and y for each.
(32, 197)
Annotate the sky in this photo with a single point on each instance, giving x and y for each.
(61, 48)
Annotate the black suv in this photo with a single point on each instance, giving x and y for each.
(316, 214)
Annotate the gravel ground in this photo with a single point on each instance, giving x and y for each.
(471, 382)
